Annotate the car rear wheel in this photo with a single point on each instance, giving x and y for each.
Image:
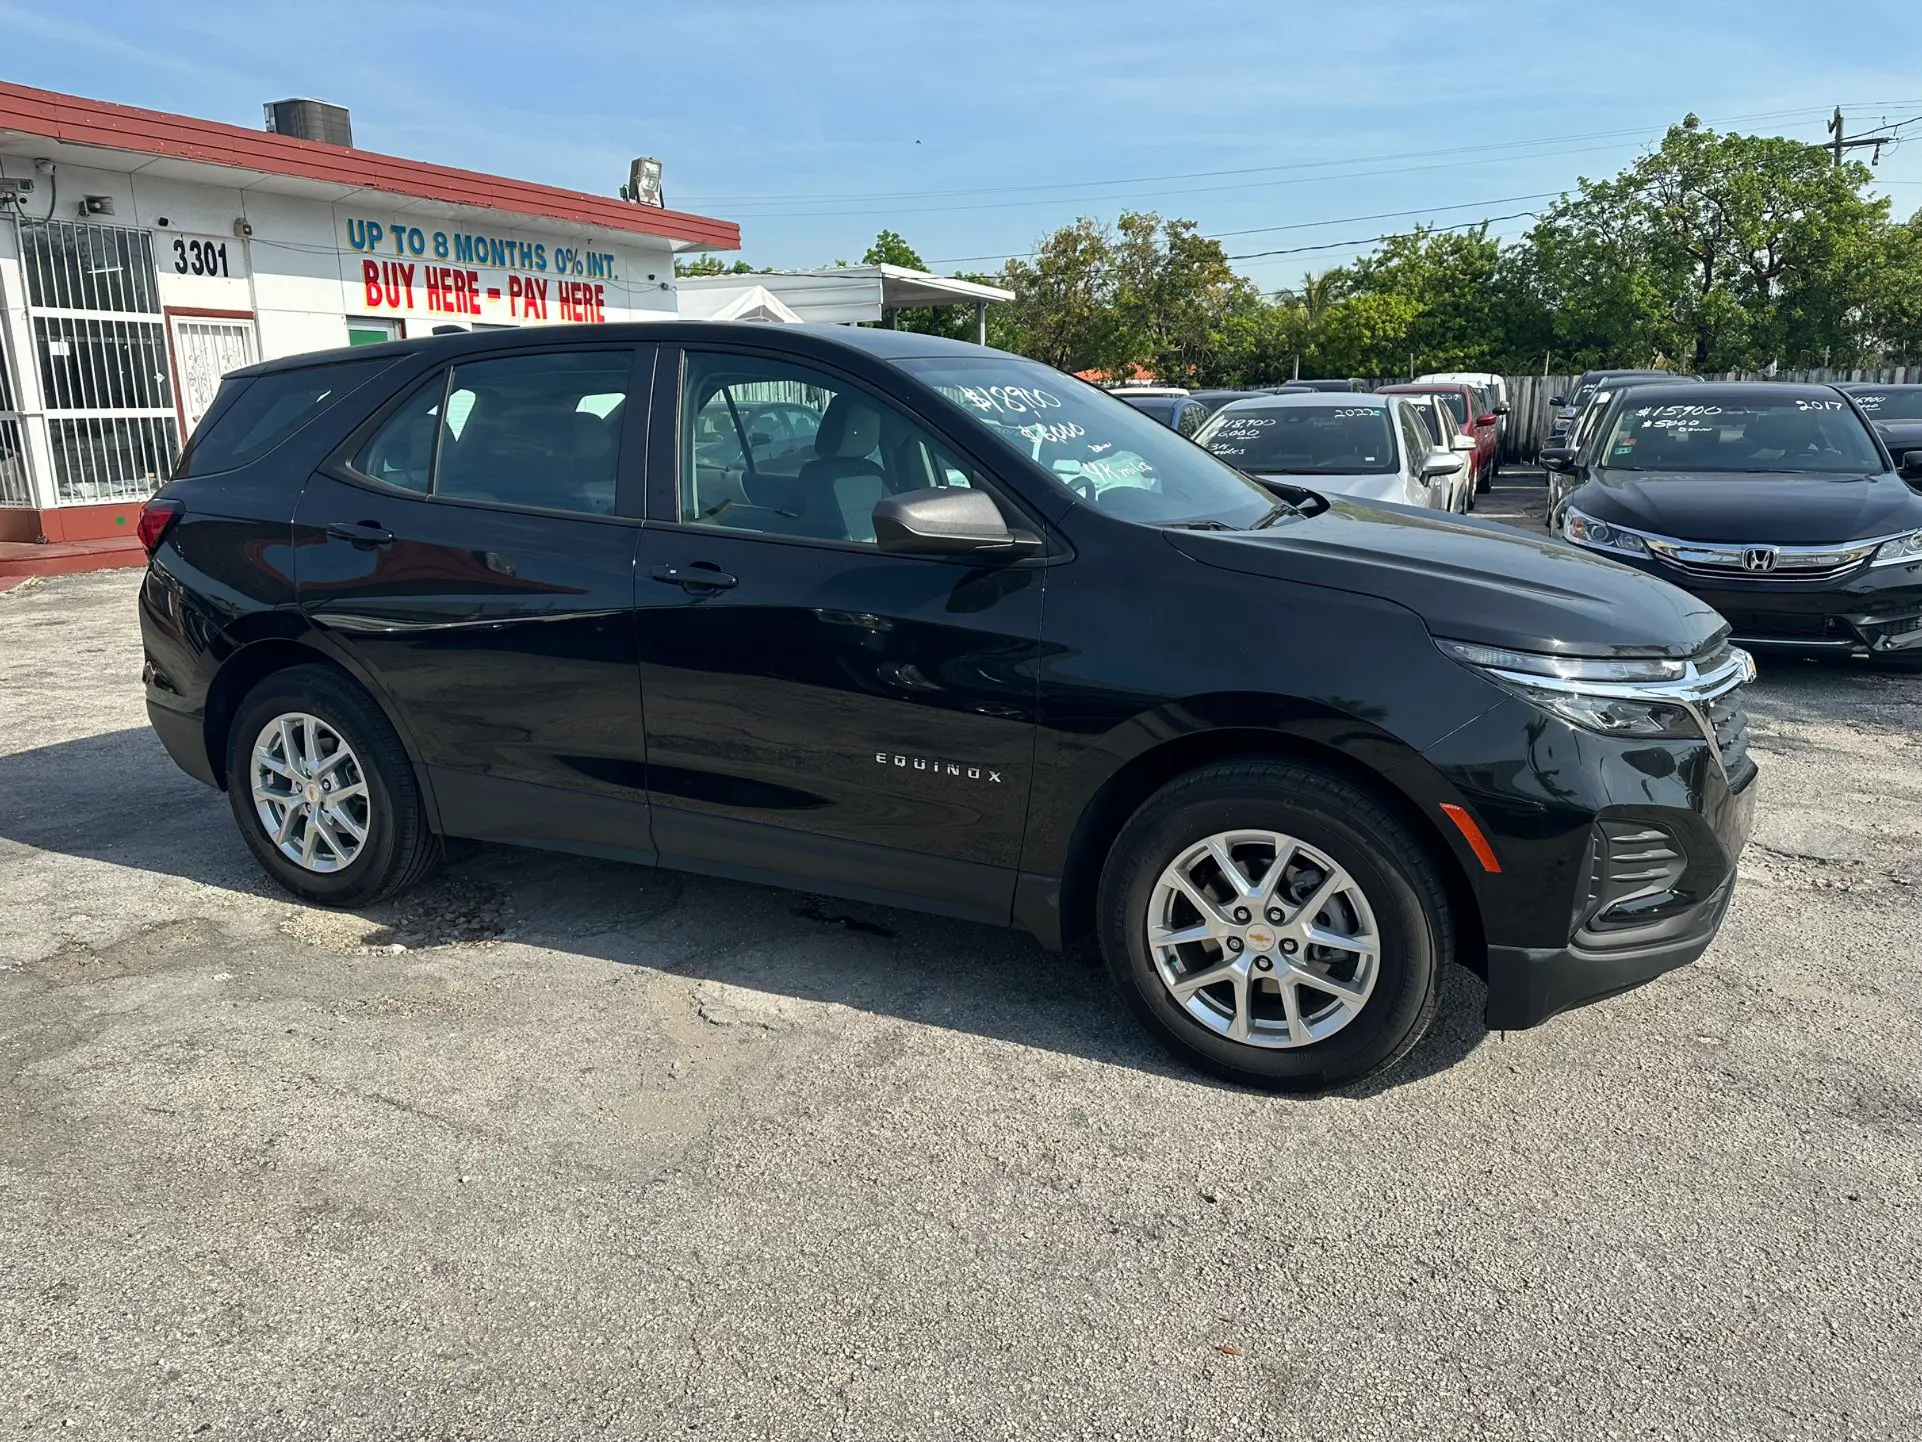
(323, 792)
(1487, 481)
(1275, 925)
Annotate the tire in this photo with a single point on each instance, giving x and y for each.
(1487, 481)
(397, 848)
(1330, 821)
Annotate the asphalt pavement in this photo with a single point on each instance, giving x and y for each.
(557, 1148)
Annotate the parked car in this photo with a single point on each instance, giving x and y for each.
(1448, 436)
(1474, 418)
(1494, 385)
(1354, 383)
(1375, 447)
(1896, 411)
(1216, 399)
(1777, 504)
(1564, 409)
(1582, 430)
(1178, 413)
(1281, 762)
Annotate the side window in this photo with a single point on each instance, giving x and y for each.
(535, 430)
(1414, 440)
(787, 451)
(267, 410)
(401, 452)
(1189, 417)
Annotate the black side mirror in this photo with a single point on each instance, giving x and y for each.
(1501, 410)
(1911, 469)
(1558, 400)
(948, 521)
(1557, 458)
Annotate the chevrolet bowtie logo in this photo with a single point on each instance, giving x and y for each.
(1760, 559)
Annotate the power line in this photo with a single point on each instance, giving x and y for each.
(1294, 225)
(1377, 239)
(1055, 188)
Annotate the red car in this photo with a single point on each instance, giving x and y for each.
(1477, 416)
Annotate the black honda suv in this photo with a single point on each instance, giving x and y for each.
(919, 622)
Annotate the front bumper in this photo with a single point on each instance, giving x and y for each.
(1617, 857)
(1528, 985)
(1872, 611)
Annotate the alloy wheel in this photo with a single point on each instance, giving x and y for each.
(1263, 939)
(310, 792)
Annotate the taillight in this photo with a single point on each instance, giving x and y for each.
(156, 519)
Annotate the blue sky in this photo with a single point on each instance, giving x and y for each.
(974, 129)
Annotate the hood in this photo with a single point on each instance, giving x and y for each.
(1776, 510)
(1901, 436)
(1369, 486)
(1470, 580)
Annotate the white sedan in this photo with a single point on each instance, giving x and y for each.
(1375, 448)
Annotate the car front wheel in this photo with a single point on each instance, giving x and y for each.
(323, 792)
(1275, 925)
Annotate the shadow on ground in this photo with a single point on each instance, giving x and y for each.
(117, 798)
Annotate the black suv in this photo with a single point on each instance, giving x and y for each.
(989, 643)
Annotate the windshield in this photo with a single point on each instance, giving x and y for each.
(1303, 440)
(1109, 454)
(1903, 405)
(1741, 435)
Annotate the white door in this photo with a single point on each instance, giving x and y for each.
(204, 351)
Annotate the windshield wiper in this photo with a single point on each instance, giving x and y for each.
(1202, 523)
(1280, 511)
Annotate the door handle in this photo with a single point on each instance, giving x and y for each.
(698, 577)
(365, 534)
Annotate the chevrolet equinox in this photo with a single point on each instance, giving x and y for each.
(922, 623)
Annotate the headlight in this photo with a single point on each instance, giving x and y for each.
(1585, 530)
(1900, 551)
(1645, 698)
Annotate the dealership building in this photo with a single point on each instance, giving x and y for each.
(142, 255)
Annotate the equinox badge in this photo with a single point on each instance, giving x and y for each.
(958, 769)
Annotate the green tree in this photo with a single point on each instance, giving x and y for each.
(712, 265)
(1063, 312)
(953, 321)
(1717, 251)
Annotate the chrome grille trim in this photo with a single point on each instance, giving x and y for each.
(1708, 682)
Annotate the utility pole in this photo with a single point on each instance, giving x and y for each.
(1839, 144)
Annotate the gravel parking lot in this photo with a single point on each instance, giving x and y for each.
(557, 1148)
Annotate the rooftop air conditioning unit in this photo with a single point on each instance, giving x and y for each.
(310, 120)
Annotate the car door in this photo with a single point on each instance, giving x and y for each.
(468, 554)
(819, 710)
(1420, 490)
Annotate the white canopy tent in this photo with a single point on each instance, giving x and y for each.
(746, 302)
(841, 295)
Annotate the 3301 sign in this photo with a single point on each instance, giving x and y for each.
(204, 256)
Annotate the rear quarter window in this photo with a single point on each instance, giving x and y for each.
(265, 410)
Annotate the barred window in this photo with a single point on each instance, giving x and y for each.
(71, 266)
(103, 365)
(14, 489)
(111, 458)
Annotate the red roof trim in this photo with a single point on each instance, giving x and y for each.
(78, 121)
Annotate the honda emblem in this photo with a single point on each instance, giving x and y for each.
(1759, 559)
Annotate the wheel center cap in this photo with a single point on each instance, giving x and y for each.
(1260, 938)
(312, 792)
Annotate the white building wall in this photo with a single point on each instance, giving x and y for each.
(297, 264)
